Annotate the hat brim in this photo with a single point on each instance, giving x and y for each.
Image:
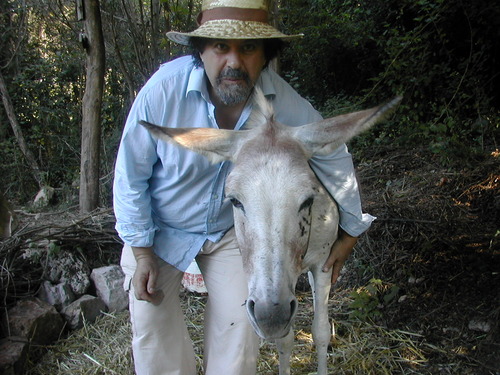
(231, 29)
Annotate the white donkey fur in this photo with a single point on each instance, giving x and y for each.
(285, 221)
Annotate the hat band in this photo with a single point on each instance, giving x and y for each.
(233, 13)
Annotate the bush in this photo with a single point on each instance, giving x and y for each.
(440, 55)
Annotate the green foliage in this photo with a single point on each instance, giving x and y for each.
(338, 105)
(45, 82)
(53, 249)
(337, 39)
(371, 298)
(45, 74)
(440, 55)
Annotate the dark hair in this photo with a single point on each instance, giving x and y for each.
(272, 48)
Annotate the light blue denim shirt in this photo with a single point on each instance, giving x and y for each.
(172, 198)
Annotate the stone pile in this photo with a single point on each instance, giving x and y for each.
(69, 295)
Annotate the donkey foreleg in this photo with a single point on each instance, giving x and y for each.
(285, 346)
(321, 328)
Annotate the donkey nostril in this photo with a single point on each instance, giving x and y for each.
(293, 307)
(251, 307)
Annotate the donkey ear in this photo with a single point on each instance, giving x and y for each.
(323, 137)
(215, 144)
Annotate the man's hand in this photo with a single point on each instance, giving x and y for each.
(339, 253)
(145, 276)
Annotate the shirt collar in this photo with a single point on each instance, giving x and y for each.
(266, 84)
(197, 82)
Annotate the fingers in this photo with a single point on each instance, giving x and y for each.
(155, 296)
(145, 290)
(332, 258)
(145, 279)
(336, 263)
(336, 272)
(341, 250)
(151, 284)
(140, 282)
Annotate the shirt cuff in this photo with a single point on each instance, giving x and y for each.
(136, 236)
(353, 225)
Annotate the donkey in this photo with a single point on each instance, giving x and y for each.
(285, 220)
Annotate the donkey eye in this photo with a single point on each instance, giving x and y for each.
(236, 203)
(306, 204)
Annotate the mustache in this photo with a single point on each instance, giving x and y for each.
(233, 73)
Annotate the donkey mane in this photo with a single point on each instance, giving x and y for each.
(262, 111)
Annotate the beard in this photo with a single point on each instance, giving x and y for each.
(232, 94)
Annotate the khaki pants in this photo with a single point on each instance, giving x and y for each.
(161, 344)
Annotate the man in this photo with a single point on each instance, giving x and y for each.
(169, 202)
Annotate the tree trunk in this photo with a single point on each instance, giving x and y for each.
(93, 42)
(9, 110)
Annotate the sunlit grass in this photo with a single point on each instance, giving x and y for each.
(357, 348)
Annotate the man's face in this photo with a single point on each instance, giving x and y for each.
(233, 66)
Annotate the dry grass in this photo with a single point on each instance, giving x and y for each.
(357, 348)
(99, 348)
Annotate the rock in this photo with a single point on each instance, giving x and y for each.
(108, 282)
(86, 308)
(36, 320)
(59, 295)
(479, 326)
(414, 280)
(66, 267)
(13, 354)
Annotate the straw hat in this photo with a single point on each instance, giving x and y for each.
(232, 19)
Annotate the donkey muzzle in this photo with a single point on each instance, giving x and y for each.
(272, 320)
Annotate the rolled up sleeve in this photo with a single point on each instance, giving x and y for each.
(134, 167)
